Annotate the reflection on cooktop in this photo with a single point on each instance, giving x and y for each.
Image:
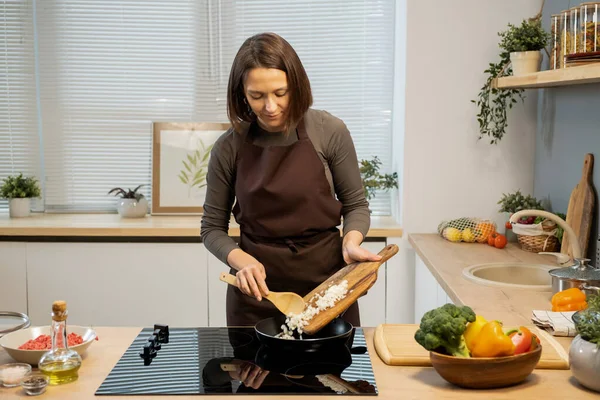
(233, 361)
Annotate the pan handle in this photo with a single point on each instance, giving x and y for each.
(228, 278)
(358, 350)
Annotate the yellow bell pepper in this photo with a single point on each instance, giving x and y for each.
(473, 329)
(492, 342)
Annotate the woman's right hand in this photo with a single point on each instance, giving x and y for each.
(251, 274)
(251, 280)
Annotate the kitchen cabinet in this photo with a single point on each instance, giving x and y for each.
(429, 294)
(372, 306)
(119, 284)
(13, 277)
(216, 291)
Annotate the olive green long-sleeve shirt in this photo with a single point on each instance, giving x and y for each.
(332, 142)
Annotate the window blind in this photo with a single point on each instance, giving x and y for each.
(107, 69)
(19, 140)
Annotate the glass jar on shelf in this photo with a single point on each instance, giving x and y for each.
(574, 47)
(589, 34)
(566, 41)
(555, 33)
(61, 364)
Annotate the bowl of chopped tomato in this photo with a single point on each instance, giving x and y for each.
(28, 345)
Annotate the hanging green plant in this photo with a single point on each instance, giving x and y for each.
(494, 103)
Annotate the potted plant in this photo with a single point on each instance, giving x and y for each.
(520, 53)
(524, 44)
(131, 204)
(19, 190)
(372, 180)
(584, 353)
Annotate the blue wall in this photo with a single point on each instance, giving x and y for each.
(568, 128)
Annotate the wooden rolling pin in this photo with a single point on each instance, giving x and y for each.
(360, 276)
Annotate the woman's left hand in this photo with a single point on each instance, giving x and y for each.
(352, 251)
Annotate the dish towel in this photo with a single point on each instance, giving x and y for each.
(557, 323)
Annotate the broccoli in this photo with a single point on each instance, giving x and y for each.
(442, 329)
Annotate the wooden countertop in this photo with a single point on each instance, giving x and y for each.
(446, 261)
(392, 382)
(114, 225)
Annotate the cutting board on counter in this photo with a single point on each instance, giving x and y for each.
(395, 345)
(360, 276)
(580, 211)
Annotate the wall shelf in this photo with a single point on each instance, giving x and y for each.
(559, 77)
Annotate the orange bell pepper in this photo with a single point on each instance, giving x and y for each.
(572, 299)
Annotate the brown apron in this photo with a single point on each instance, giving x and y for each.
(288, 221)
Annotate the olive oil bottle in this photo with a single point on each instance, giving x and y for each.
(60, 364)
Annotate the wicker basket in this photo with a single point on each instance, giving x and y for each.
(536, 244)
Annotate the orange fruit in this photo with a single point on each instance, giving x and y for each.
(484, 230)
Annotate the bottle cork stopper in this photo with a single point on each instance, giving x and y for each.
(59, 310)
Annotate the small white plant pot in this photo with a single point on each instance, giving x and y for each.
(525, 62)
(584, 361)
(132, 208)
(19, 208)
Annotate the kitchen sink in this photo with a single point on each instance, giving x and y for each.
(511, 275)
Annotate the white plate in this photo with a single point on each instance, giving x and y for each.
(11, 342)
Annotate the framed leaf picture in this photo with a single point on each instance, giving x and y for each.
(180, 155)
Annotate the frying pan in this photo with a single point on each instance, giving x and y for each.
(336, 333)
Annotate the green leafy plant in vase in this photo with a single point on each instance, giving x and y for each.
(584, 352)
(520, 54)
(131, 203)
(373, 180)
(19, 190)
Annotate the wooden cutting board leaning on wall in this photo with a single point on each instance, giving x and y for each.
(581, 209)
(396, 345)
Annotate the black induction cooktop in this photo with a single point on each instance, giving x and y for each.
(204, 361)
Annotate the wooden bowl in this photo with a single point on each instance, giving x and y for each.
(485, 372)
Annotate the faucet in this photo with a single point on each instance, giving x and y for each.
(573, 240)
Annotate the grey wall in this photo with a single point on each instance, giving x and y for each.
(568, 128)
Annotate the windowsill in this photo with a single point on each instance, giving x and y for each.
(88, 225)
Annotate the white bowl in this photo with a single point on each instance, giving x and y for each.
(11, 342)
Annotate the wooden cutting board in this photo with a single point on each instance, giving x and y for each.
(360, 276)
(395, 345)
(581, 209)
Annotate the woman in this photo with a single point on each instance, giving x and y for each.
(284, 165)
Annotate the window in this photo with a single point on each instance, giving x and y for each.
(106, 70)
(19, 136)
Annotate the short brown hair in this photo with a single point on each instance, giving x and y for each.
(267, 50)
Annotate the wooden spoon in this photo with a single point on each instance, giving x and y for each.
(286, 302)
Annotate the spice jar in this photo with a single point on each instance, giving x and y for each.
(11, 374)
(35, 384)
(589, 34)
(555, 32)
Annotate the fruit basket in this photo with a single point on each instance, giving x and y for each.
(537, 236)
(469, 230)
